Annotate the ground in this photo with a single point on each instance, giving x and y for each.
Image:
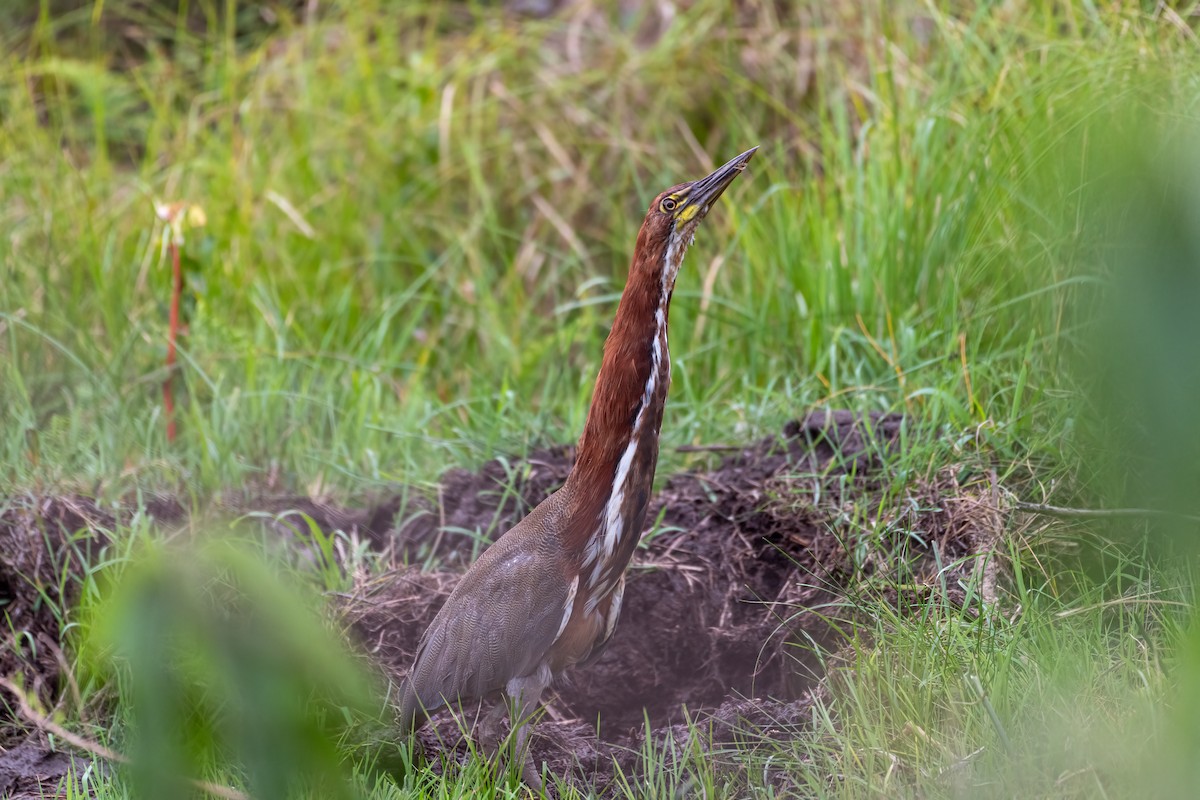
(735, 604)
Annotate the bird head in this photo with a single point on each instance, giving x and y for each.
(671, 222)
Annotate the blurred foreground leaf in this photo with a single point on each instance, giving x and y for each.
(1144, 347)
(227, 670)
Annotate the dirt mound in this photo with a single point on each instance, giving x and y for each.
(446, 525)
(45, 545)
(32, 771)
(727, 603)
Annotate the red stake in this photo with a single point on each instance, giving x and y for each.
(176, 215)
(172, 333)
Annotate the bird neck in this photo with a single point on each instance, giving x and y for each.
(609, 486)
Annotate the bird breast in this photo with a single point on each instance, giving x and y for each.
(587, 625)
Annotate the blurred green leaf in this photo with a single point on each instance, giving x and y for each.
(227, 666)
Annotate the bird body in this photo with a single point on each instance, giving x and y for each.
(547, 594)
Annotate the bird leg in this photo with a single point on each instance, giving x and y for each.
(490, 730)
(526, 693)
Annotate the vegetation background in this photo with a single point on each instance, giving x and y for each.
(410, 226)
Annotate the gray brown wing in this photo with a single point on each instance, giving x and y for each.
(497, 625)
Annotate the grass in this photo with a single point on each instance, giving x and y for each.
(372, 242)
(418, 221)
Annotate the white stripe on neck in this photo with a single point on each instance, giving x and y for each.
(612, 524)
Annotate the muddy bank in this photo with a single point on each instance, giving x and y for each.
(46, 546)
(740, 584)
(730, 556)
(32, 770)
(737, 590)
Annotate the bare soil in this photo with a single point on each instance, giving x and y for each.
(46, 546)
(33, 770)
(732, 603)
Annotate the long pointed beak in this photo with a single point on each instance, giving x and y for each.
(705, 191)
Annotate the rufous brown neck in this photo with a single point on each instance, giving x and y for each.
(608, 490)
(609, 487)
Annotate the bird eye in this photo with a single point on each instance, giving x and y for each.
(668, 205)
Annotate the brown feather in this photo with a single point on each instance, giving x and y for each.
(546, 595)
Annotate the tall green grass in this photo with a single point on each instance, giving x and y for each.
(419, 218)
(419, 223)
